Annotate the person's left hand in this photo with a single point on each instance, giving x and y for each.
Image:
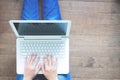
(31, 67)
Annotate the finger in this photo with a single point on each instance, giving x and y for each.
(47, 55)
(33, 57)
(43, 68)
(55, 61)
(36, 61)
(25, 61)
(49, 60)
(28, 59)
(45, 61)
(52, 60)
(38, 68)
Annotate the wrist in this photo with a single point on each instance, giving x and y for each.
(54, 79)
(27, 78)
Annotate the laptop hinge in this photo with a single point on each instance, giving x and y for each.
(20, 37)
(43, 38)
(65, 37)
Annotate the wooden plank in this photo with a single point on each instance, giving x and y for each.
(7, 78)
(86, 7)
(95, 29)
(94, 41)
(7, 38)
(95, 62)
(8, 67)
(97, 73)
(93, 18)
(92, 79)
(95, 51)
(91, 0)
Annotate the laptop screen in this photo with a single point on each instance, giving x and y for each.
(41, 28)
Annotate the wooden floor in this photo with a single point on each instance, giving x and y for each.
(94, 38)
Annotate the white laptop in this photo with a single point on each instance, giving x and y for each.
(41, 37)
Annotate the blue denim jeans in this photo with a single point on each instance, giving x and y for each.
(31, 9)
(51, 11)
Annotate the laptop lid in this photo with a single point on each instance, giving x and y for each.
(26, 28)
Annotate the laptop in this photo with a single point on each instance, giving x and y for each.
(41, 37)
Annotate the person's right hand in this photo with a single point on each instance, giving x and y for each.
(49, 67)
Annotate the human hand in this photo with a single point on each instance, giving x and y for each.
(31, 67)
(49, 67)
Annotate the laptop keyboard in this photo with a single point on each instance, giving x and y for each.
(56, 48)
